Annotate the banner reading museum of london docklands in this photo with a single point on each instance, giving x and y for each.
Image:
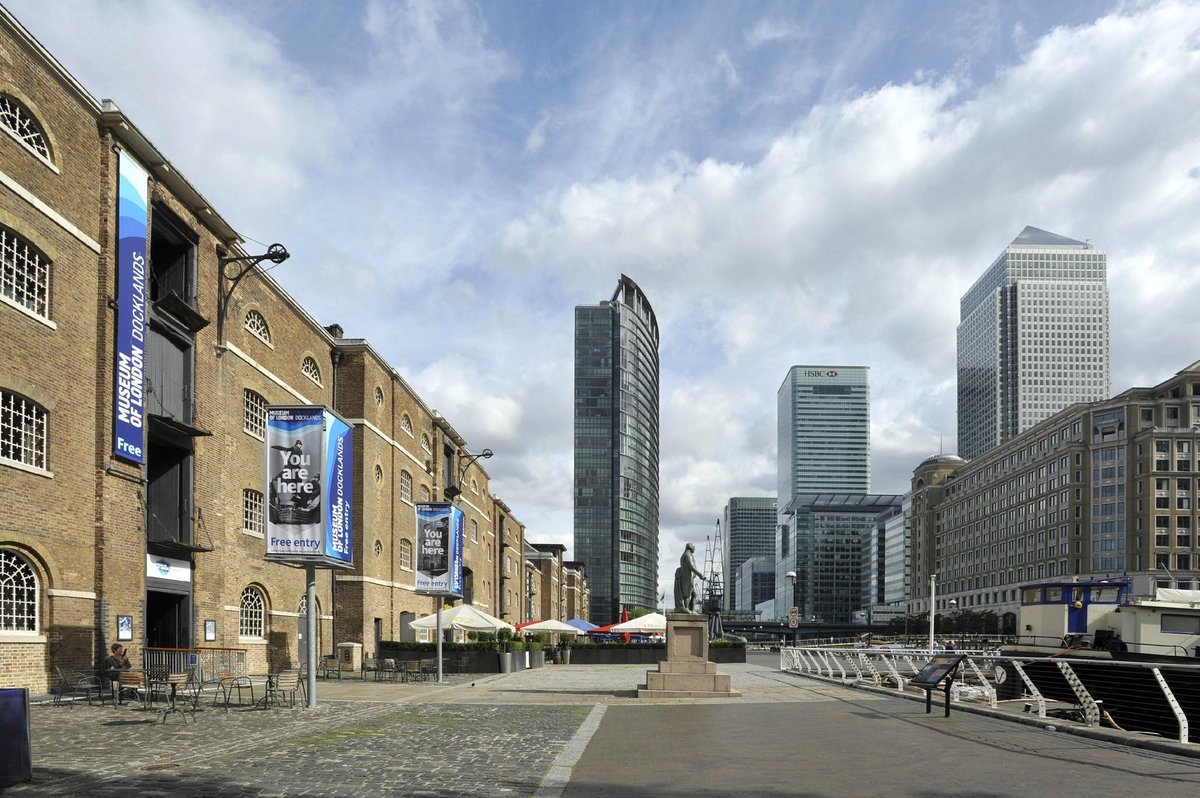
(129, 351)
(309, 486)
(439, 549)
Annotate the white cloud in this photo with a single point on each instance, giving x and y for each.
(729, 70)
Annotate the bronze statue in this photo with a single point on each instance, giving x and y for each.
(685, 588)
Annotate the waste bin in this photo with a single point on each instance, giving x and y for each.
(16, 759)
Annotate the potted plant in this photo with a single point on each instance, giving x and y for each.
(537, 654)
(503, 639)
(519, 661)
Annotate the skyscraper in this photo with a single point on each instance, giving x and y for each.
(824, 426)
(1032, 338)
(616, 451)
(749, 524)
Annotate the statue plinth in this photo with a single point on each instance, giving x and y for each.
(686, 672)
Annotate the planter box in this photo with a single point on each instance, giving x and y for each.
(537, 658)
(614, 655)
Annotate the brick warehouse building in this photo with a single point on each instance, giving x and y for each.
(176, 545)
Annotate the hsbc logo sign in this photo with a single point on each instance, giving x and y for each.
(820, 373)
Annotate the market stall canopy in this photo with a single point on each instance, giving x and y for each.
(551, 626)
(465, 617)
(651, 622)
(582, 625)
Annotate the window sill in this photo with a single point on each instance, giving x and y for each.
(22, 637)
(259, 535)
(41, 472)
(252, 641)
(39, 318)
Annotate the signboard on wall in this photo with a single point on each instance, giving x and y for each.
(309, 486)
(129, 350)
(439, 549)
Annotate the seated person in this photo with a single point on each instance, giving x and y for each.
(116, 662)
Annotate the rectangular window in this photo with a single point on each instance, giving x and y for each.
(22, 431)
(252, 512)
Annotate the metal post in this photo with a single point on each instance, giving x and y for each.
(439, 639)
(932, 608)
(310, 623)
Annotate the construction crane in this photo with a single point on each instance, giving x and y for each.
(714, 585)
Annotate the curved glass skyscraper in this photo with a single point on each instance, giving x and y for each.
(616, 451)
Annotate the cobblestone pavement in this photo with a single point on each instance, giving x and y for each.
(531, 734)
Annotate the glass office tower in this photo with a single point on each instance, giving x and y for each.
(824, 426)
(1032, 338)
(749, 525)
(616, 451)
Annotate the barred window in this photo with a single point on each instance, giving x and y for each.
(16, 119)
(474, 531)
(406, 424)
(311, 370)
(252, 512)
(475, 487)
(252, 613)
(257, 324)
(406, 554)
(425, 444)
(406, 486)
(425, 494)
(18, 594)
(254, 414)
(25, 278)
(22, 430)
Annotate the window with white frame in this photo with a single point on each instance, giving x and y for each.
(475, 487)
(378, 396)
(254, 414)
(311, 370)
(406, 554)
(252, 614)
(425, 444)
(22, 430)
(474, 531)
(252, 512)
(406, 486)
(24, 274)
(18, 594)
(256, 323)
(406, 424)
(21, 124)
(425, 494)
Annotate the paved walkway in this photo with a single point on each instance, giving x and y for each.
(580, 732)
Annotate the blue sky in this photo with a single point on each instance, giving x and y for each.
(791, 183)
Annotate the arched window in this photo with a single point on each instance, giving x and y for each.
(311, 370)
(252, 613)
(254, 414)
(22, 430)
(252, 512)
(18, 594)
(425, 444)
(406, 554)
(406, 486)
(257, 324)
(475, 487)
(425, 494)
(474, 531)
(24, 274)
(16, 119)
(406, 424)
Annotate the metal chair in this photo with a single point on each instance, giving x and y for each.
(369, 664)
(78, 681)
(412, 670)
(283, 686)
(133, 682)
(387, 668)
(227, 683)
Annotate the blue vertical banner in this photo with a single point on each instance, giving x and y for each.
(129, 353)
(439, 549)
(339, 490)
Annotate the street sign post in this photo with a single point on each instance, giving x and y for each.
(794, 617)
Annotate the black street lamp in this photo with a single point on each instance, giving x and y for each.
(454, 489)
(228, 279)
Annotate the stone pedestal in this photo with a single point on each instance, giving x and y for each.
(686, 672)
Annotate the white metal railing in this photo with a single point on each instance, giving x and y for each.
(1154, 696)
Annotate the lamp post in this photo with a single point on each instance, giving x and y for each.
(228, 279)
(454, 490)
(791, 577)
(953, 604)
(932, 608)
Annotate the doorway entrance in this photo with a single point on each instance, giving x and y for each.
(168, 619)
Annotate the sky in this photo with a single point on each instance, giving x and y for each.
(790, 183)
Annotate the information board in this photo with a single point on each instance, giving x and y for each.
(937, 670)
